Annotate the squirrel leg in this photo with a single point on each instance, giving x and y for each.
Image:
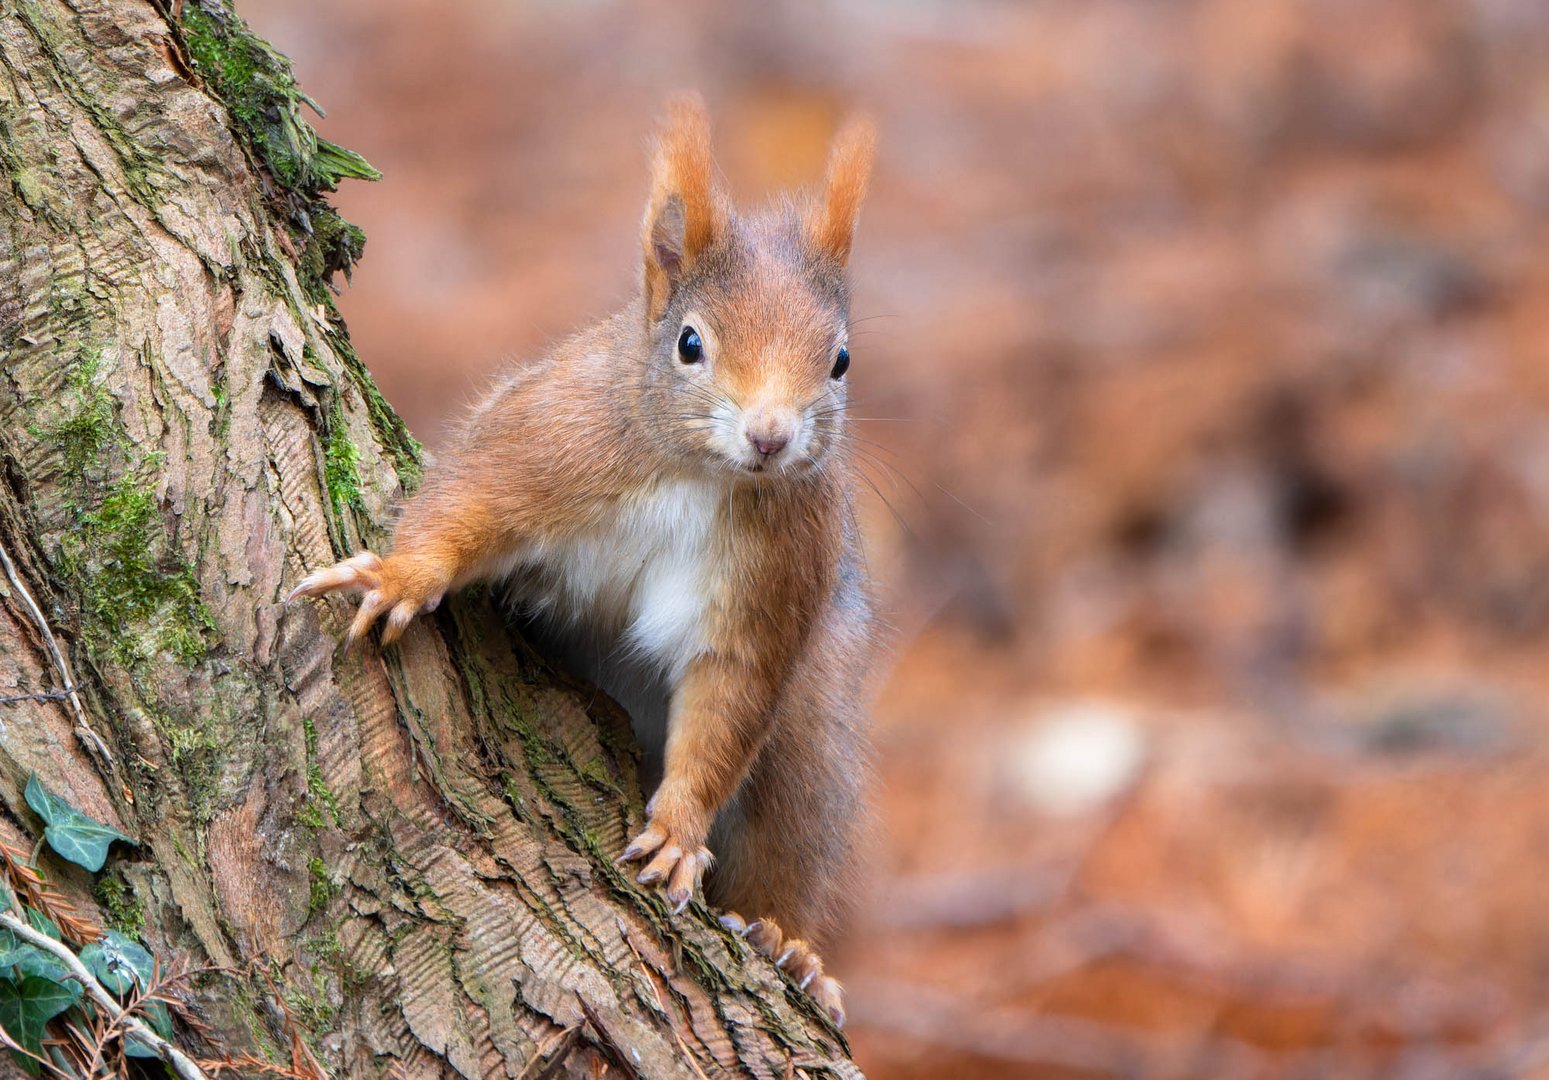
(434, 551)
(787, 841)
(713, 735)
(399, 586)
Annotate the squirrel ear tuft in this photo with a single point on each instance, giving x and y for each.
(686, 210)
(831, 227)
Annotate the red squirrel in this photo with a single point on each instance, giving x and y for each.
(670, 490)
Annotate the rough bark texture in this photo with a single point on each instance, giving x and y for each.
(415, 846)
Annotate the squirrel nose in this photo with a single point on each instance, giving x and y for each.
(770, 443)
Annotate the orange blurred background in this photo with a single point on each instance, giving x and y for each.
(1207, 351)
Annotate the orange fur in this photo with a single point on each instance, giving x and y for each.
(622, 485)
(686, 209)
(844, 187)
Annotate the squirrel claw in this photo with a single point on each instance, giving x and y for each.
(660, 866)
(794, 957)
(362, 573)
(828, 993)
(670, 863)
(399, 589)
(644, 844)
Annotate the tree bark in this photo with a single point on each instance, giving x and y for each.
(406, 853)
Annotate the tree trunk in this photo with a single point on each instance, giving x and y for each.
(406, 854)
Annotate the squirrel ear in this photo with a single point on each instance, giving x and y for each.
(831, 226)
(686, 210)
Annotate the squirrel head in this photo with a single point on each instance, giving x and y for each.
(747, 317)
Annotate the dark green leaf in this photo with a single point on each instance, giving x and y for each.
(160, 1019)
(118, 962)
(133, 1047)
(32, 960)
(12, 949)
(43, 924)
(14, 952)
(36, 963)
(25, 1007)
(82, 840)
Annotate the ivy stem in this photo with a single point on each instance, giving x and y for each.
(180, 1063)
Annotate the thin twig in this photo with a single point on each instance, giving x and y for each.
(605, 1043)
(179, 1062)
(83, 730)
(51, 695)
(551, 1053)
(660, 1006)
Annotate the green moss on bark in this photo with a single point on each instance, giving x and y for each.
(321, 807)
(259, 91)
(138, 597)
(121, 908)
(264, 101)
(341, 465)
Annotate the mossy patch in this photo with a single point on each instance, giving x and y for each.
(341, 464)
(322, 806)
(89, 426)
(322, 885)
(260, 93)
(194, 749)
(138, 604)
(309, 1006)
(257, 87)
(138, 597)
(333, 245)
(121, 909)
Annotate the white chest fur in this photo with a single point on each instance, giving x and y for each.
(644, 576)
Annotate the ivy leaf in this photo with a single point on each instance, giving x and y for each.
(118, 962)
(159, 1018)
(82, 840)
(26, 1006)
(133, 1047)
(12, 949)
(43, 924)
(33, 960)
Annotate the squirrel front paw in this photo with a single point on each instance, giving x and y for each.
(401, 585)
(677, 856)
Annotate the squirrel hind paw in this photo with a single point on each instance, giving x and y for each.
(827, 992)
(794, 957)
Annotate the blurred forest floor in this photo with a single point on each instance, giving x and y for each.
(1209, 346)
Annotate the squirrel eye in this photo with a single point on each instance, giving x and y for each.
(690, 349)
(841, 363)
